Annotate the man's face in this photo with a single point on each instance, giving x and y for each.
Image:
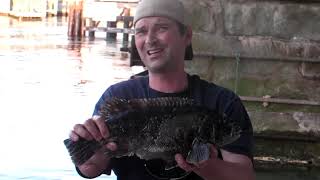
(160, 44)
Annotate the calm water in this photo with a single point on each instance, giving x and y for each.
(48, 84)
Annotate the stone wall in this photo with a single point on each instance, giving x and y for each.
(268, 51)
(257, 29)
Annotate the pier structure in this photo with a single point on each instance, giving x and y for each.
(34, 9)
(87, 18)
(109, 17)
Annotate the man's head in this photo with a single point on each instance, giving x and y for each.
(162, 34)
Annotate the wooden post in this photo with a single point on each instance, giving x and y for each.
(111, 36)
(126, 23)
(71, 21)
(91, 25)
(75, 20)
(79, 20)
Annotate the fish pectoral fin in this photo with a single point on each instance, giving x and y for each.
(200, 152)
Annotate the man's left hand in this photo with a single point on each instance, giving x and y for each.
(183, 164)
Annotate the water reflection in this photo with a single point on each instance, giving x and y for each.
(47, 84)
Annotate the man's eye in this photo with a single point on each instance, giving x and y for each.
(140, 32)
(163, 28)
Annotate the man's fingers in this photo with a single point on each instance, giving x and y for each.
(81, 131)
(182, 163)
(93, 129)
(214, 151)
(112, 146)
(73, 136)
(201, 164)
(101, 126)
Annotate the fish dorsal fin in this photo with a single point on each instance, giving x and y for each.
(115, 106)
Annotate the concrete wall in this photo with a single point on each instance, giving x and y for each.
(277, 45)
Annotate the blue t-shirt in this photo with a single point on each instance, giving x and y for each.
(205, 94)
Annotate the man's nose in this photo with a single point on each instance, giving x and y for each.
(151, 38)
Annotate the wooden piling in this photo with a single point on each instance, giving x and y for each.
(71, 20)
(75, 20)
(127, 24)
(92, 24)
(111, 36)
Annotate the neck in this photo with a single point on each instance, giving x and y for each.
(168, 82)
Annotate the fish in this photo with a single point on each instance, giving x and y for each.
(159, 128)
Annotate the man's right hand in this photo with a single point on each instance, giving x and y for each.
(94, 129)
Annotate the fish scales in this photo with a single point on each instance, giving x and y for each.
(158, 128)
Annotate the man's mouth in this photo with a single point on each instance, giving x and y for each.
(154, 51)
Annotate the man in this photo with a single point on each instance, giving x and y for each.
(162, 35)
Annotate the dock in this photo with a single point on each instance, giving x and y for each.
(118, 20)
(34, 9)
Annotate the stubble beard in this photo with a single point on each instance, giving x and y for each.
(162, 65)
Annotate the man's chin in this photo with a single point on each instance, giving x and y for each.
(154, 62)
(156, 68)
(156, 65)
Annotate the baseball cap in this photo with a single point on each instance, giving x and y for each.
(172, 9)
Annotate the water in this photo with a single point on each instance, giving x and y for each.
(49, 83)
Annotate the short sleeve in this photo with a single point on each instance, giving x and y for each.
(244, 144)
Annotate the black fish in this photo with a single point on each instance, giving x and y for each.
(159, 128)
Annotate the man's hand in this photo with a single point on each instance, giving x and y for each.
(233, 166)
(93, 129)
(183, 164)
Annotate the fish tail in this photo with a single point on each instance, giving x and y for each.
(82, 150)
